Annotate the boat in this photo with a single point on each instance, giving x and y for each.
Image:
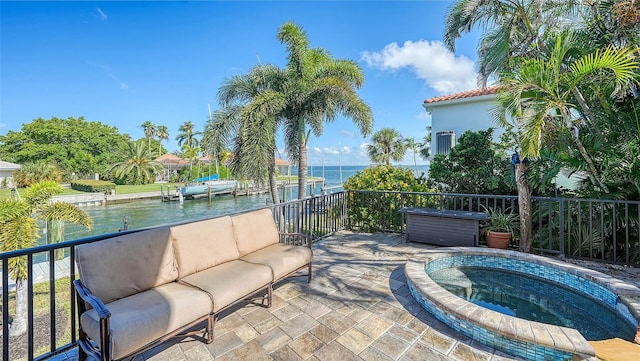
(206, 185)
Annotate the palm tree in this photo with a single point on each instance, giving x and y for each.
(34, 172)
(511, 28)
(425, 147)
(19, 230)
(410, 143)
(190, 154)
(186, 135)
(250, 116)
(316, 89)
(163, 134)
(539, 94)
(138, 166)
(387, 145)
(149, 131)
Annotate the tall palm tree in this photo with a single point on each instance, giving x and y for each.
(250, 117)
(425, 148)
(190, 154)
(387, 145)
(149, 132)
(187, 135)
(539, 96)
(19, 230)
(511, 28)
(316, 89)
(138, 166)
(410, 143)
(163, 134)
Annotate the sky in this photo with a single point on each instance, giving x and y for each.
(124, 63)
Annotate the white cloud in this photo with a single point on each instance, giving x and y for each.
(346, 150)
(103, 16)
(430, 61)
(423, 116)
(317, 150)
(348, 134)
(331, 150)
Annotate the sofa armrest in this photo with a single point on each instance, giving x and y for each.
(89, 298)
(295, 239)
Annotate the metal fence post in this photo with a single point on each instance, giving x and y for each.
(561, 225)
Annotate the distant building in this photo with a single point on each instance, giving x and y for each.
(6, 173)
(452, 115)
(283, 167)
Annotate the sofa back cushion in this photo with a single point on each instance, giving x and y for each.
(204, 244)
(125, 265)
(254, 231)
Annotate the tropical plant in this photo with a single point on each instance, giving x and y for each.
(187, 135)
(138, 166)
(316, 89)
(539, 93)
(387, 145)
(191, 155)
(425, 148)
(411, 144)
(33, 172)
(380, 212)
(163, 134)
(19, 230)
(149, 132)
(501, 220)
(249, 116)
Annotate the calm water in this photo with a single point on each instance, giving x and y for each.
(534, 299)
(146, 213)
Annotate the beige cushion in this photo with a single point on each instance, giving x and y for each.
(125, 265)
(255, 230)
(204, 244)
(231, 281)
(281, 258)
(142, 318)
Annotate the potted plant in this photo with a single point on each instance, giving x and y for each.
(500, 227)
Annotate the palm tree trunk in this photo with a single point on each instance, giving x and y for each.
(587, 158)
(524, 206)
(586, 110)
(19, 323)
(302, 161)
(273, 184)
(55, 234)
(415, 164)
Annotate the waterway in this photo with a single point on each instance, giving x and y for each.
(147, 213)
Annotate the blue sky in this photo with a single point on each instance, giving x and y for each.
(123, 63)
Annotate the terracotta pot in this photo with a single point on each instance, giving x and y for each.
(498, 239)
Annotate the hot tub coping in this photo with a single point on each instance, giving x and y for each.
(550, 336)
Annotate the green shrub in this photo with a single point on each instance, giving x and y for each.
(378, 210)
(93, 186)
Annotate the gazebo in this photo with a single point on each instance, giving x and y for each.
(172, 164)
(6, 173)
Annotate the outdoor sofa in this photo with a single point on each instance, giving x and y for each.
(138, 290)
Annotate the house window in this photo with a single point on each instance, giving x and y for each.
(445, 140)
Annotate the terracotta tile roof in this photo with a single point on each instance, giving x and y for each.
(464, 94)
(281, 162)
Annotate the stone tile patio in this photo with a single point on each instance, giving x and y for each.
(356, 308)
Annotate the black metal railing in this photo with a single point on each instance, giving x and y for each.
(597, 229)
(605, 230)
(54, 330)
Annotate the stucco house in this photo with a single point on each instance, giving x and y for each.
(283, 167)
(452, 115)
(6, 173)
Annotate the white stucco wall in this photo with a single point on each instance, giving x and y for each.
(461, 115)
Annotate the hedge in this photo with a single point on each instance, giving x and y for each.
(93, 186)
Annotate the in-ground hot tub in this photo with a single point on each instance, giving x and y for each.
(497, 326)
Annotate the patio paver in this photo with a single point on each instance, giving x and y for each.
(357, 307)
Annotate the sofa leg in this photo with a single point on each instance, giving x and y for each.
(310, 273)
(210, 322)
(269, 295)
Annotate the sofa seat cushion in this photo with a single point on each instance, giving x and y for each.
(144, 317)
(204, 244)
(254, 230)
(281, 258)
(125, 265)
(231, 281)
